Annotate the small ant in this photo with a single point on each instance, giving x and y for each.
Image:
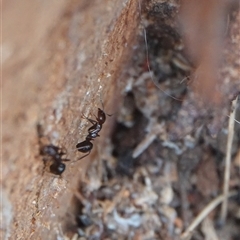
(52, 153)
(55, 154)
(97, 125)
(86, 145)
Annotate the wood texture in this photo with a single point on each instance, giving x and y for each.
(58, 57)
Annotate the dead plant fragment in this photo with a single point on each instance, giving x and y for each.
(165, 162)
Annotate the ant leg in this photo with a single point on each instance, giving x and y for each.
(63, 150)
(65, 160)
(40, 131)
(89, 119)
(82, 156)
(95, 116)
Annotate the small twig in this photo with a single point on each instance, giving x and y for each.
(148, 139)
(235, 120)
(208, 229)
(144, 145)
(228, 161)
(213, 204)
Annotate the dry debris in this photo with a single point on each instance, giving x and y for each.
(165, 162)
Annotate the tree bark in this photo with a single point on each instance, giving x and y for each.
(60, 58)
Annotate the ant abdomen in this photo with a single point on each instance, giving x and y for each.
(85, 146)
(57, 168)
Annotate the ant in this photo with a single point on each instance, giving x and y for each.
(86, 145)
(97, 125)
(53, 153)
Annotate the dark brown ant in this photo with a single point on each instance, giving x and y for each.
(55, 154)
(86, 145)
(52, 153)
(97, 125)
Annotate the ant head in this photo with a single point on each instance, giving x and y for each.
(101, 116)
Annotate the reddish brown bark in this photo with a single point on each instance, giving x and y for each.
(58, 57)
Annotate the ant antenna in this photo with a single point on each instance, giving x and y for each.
(100, 96)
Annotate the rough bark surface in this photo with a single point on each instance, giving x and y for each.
(59, 57)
